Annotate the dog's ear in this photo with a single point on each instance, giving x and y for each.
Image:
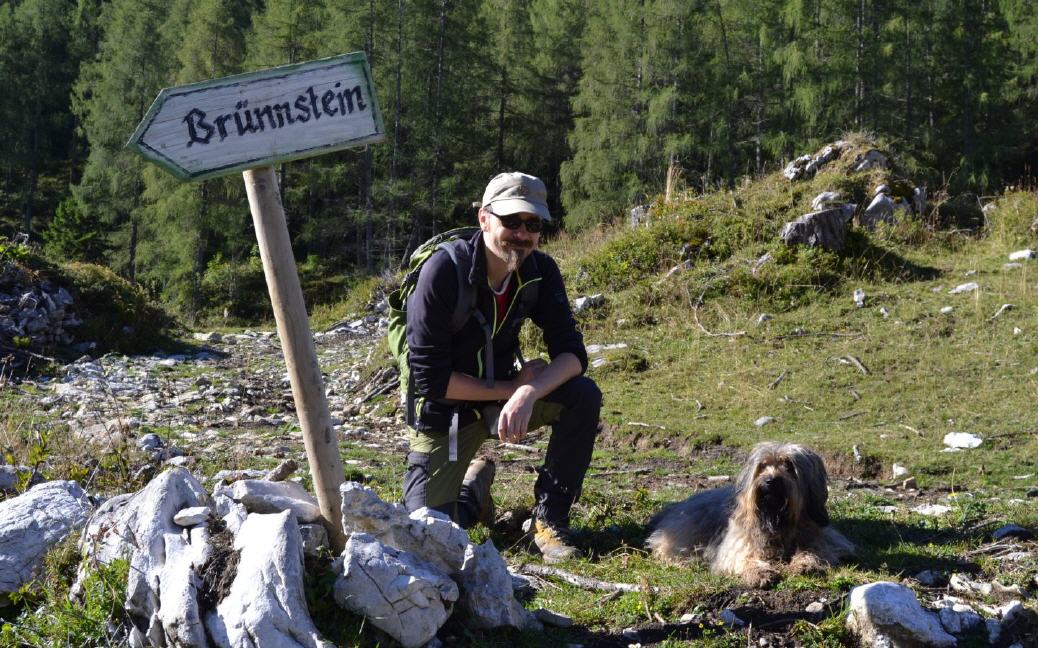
(813, 485)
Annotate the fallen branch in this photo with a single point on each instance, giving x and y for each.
(849, 415)
(775, 383)
(851, 360)
(648, 425)
(629, 471)
(584, 582)
(519, 446)
(695, 315)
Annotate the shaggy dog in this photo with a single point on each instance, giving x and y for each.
(773, 519)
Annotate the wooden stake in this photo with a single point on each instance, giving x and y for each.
(297, 345)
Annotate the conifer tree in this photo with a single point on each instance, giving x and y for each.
(188, 223)
(111, 96)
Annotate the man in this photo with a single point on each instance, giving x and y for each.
(461, 381)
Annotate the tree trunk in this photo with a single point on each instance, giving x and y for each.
(30, 192)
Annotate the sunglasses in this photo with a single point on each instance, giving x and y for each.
(514, 222)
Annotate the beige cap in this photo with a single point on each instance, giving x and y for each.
(512, 193)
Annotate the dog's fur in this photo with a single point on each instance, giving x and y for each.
(772, 520)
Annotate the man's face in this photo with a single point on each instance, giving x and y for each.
(510, 245)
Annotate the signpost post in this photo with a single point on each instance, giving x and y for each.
(248, 123)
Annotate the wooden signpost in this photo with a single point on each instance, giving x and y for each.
(248, 123)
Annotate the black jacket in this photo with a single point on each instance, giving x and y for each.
(434, 352)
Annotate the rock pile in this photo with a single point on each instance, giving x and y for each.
(828, 222)
(889, 614)
(227, 568)
(40, 312)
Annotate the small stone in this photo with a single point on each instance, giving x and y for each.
(687, 617)
(191, 516)
(947, 310)
(932, 509)
(964, 288)
(1023, 255)
(962, 440)
(630, 634)
(884, 312)
(910, 484)
(897, 470)
(815, 608)
(764, 420)
(548, 617)
(859, 298)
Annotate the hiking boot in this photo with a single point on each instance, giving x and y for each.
(554, 541)
(478, 479)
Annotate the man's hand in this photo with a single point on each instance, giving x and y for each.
(514, 421)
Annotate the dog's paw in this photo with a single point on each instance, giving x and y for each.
(760, 576)
(804, 562)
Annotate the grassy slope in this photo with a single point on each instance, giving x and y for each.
(680, 390)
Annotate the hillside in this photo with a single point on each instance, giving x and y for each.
(712, 335)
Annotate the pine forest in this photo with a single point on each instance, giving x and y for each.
(603, 100)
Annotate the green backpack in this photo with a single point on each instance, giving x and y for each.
(463, 309)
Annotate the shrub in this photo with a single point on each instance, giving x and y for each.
(116, 314)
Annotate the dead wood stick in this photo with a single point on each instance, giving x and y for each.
(584, 582)
(851, 360)
(775, 383)
(519, 446)
(695, 315)
(629, 471)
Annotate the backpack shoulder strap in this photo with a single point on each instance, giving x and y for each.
(466, 303)
(465, 306)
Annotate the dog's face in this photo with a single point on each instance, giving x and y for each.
(783, 483)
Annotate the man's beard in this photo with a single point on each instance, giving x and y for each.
(515, 252)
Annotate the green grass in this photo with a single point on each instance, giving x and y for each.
(681, 400)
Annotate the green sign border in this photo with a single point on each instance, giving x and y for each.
(166, 163)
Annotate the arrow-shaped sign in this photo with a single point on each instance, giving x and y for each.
(251, 120)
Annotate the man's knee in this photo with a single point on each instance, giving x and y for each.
(579, 392)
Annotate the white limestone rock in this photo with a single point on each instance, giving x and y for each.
(1023, 255)
(162, 585)
(189, 517)
(967, 287)
(32, 523)
(487, 592)
(826, 199)
(266, 605)
(887, 614)
(956, 616)
(232, 513)
(880, 210)
(871, 159)
(962, 440)
(262, 496)
(826, 228)
(425, 532)
(400, 593)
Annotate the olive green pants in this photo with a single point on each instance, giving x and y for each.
(444, 477)
(572, 410)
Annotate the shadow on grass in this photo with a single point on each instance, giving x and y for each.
(889, 546)
(866, 259)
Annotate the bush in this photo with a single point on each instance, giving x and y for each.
(116, 314)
